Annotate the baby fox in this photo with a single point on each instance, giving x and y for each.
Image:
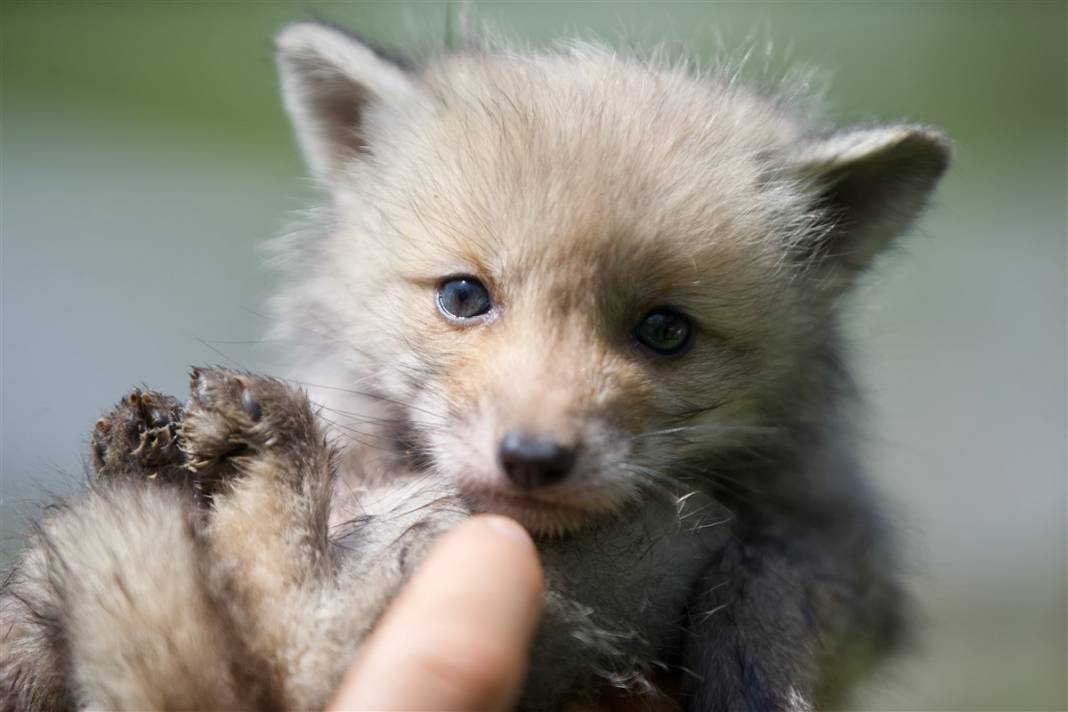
(597, 294)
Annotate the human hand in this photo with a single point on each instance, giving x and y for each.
(458, 635)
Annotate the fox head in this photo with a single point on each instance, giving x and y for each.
(561, 279)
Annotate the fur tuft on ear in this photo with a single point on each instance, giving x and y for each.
(329, 79)
(871, 184)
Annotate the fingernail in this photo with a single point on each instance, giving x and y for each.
(509, 528)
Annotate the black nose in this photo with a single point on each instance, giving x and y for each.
(534, 462)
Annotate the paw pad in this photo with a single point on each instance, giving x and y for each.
(250, 405)
(208, 387)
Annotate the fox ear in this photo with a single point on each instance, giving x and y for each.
(871, 185)
(330, 80)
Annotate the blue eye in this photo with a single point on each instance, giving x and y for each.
(665, 331)
(463, 298)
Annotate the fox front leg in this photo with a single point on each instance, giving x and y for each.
(754, 641)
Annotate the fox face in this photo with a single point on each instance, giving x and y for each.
(561, 281)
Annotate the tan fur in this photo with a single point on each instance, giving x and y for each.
(583, 188)
(130, 640)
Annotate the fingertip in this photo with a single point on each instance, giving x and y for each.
(515, 542)
(507, 527)
(462, 626)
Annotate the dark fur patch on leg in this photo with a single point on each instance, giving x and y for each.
(139, 438)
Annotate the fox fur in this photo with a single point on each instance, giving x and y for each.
(715, 531)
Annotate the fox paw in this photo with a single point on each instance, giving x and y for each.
(138, 437)
(235, 419)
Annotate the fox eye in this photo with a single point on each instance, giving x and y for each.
(666, 331)
(463, 298)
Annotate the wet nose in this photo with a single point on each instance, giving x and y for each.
(534, 462)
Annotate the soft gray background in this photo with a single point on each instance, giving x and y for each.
(145, 159)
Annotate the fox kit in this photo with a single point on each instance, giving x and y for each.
(596, 294)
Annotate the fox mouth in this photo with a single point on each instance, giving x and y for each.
(540, 513)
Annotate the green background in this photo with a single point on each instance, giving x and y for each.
(144, 159)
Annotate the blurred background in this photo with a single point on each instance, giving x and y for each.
(144, 159)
